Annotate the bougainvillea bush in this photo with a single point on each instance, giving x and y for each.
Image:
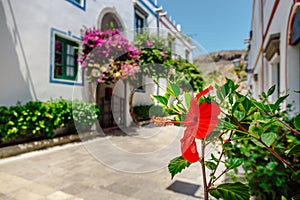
(250, 133)
(108, 56)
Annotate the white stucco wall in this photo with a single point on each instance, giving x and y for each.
(27, 30)
(288, 57)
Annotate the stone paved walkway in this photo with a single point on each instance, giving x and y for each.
(101, 169)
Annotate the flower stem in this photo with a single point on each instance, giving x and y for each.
(205, 188)
(180, 101)
(226, 170)
(214, 172)
(286, 125)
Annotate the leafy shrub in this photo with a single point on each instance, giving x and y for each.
(269, 131)
(157, 111)
(144, 112)
(253, 133)
(40, 119)
(85, 113)
(267, 177)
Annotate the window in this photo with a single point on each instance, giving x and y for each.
(274, 76)
(187, 55)
(139, 24)
(140, 17)
(140, 83)
(65, 59)
(79, 3)
(171, 41)
(110, 21)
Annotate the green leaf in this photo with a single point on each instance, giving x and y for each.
(279, 101)
(247, 104)
(268, 138)
(230, 84)
(210, 165)
(296, 197)
(297, 122)
(264, 94)
(232, 191)
(296, 175)
(187, 97)
(161, 99)
(294, 150)
(234, 107)
(177, 164)
(212, 135)
(223, 91)
(271, 90)
(257, 142)
(259, 105)
(213, 158)
(239, 115)
(227, 146)
(232, 163)
(256, 116)
(228, 125)
(230, 99)
(219, 93)
(173, 89)
(255, 131)
(283, 198)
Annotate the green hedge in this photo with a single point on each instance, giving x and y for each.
(40, 119)
(144, 112)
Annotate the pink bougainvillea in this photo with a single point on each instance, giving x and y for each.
(108, 55)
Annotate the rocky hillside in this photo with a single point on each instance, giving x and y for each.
(218, 65)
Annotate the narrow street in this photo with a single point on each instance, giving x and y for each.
(101, 169)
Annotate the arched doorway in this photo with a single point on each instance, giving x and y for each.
(111, 105)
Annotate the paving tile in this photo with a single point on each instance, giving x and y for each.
(99, 194)
(75, 188)
(123, 189)
(39, 189)
(10, 183)
(5, 197)
(61, 196)
(24, 194)
(71, 172)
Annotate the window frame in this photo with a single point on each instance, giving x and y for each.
(140, 14)
(81, 5)
(78, 78)
(64, 58)
(274, 76)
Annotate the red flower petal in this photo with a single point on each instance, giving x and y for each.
(204, 92)
(202, 119)
(189, 147)
(208, 119)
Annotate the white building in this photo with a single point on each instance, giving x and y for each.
(274, 56)
(38, 58)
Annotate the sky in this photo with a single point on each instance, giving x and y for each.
(215, 24)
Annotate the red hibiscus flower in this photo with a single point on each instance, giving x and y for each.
(200, 121)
